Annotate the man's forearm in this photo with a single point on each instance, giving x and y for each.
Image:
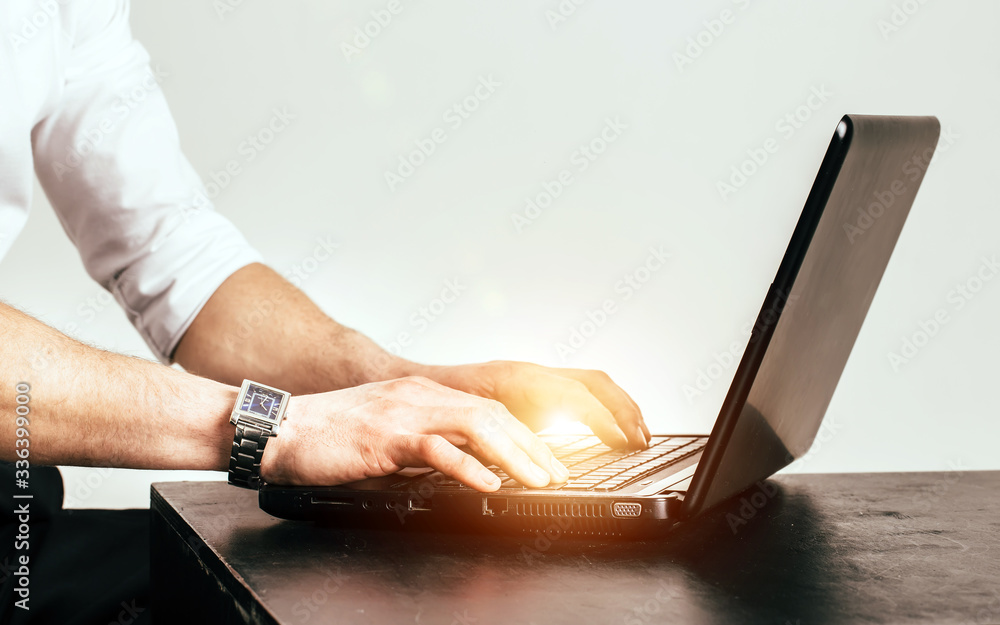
(90, 407)
(259, 326)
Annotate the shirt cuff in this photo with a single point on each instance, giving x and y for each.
(164, 291)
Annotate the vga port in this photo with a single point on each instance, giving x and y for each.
(626, 509)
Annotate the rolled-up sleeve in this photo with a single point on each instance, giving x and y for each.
(108, 156)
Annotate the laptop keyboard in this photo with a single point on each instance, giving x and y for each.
(593, 466)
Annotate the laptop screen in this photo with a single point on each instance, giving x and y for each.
(814, 310)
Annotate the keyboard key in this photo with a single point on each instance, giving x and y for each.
(593, 466)
(556, 486)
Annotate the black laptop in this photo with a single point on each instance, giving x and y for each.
(798, 347)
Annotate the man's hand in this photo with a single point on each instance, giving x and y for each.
(377, 429)
(355, 413)
(535, 394)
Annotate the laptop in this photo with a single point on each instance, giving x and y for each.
(798, 347)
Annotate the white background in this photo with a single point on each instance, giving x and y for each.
(686, 124)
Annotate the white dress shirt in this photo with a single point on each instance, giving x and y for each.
(80, 105)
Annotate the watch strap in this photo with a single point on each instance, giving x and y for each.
(244, 460)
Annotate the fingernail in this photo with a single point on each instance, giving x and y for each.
(540, 474)
(560, 470)
(489, 478)
(641, 436)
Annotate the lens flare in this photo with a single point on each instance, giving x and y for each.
(564, 423)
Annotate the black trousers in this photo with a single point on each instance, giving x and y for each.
(85, 567)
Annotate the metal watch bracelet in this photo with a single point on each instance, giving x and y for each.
(247, 451)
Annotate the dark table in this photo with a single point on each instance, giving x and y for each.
(846, 548)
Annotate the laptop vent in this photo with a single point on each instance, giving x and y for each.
(582, 519)
(561, 526)
(575, 510)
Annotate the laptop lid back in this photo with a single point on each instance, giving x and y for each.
(816, 305)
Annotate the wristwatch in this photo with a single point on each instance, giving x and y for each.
(257, 414)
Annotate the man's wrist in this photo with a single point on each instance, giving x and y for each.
(207, 433)
(273, 466)
(222, 432)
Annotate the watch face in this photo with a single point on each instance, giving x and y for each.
(262, 402)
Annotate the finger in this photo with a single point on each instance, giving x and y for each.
(574, 397)
(435, 451)
(501, 439)
(529, 443)
(626, 412)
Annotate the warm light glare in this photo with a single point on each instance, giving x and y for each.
(565, 423)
